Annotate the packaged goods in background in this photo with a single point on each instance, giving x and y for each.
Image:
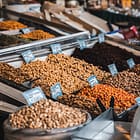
(128, 81)
(48, 115)
(104, 54)
(81, 103)
(123, 99)
(11, 25)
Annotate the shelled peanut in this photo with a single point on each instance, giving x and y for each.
(128, 81)
(80, 102)
(123, 100)
(72, 73)
(37, 35)
(11, 25)
(48, 115)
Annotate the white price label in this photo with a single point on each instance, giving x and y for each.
(113, 69)
(92, 80)
(101, 38)
(82, 44)
(56, 91)
(33, 95)
(131, 63)
(25, 30)
(28, 56)
(56, 48)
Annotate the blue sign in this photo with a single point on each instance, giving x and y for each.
(92, 80)
(56, 91)
(131, 63)
(28, 56)
(113, 69)
(25, 30)
(82, 44)
(138, 100)
(56, 48)
(33, 95)
(101, 38)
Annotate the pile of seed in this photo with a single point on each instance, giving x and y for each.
(72, 73)
(123, 100)
(80, 102)
(48, 115)
(136, 69)
(128, 81)
(104, 54)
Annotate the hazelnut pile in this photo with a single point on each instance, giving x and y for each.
(128, 81)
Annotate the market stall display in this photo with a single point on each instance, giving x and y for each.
(123, 100)
(104, 54)
(72, 73)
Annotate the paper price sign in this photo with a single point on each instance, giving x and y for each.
(56, 91)
(131, 63)
(25, 30)
(113, 69)
(28, 56)
(56, 48)
(82, 44)
(101, 38)
(92, 80)
(33, 95)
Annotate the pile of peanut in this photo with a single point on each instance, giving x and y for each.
(37, 35)
(128, 81)
(80, 102)
(123, 100)
(72, 73)
(48, 115)
(11, 25)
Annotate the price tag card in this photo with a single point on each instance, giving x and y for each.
(138, 100)
(82, 44)
(113, 69)
(101, 38)
(56, 91)
(28, 56)
(131, 63)
(92, 80)
(56, 48)
(33, 95)
(25, 30)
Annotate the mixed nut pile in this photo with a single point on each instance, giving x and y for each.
(129, 81)
(48, 115)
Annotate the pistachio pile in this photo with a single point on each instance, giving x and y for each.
(48, 115)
